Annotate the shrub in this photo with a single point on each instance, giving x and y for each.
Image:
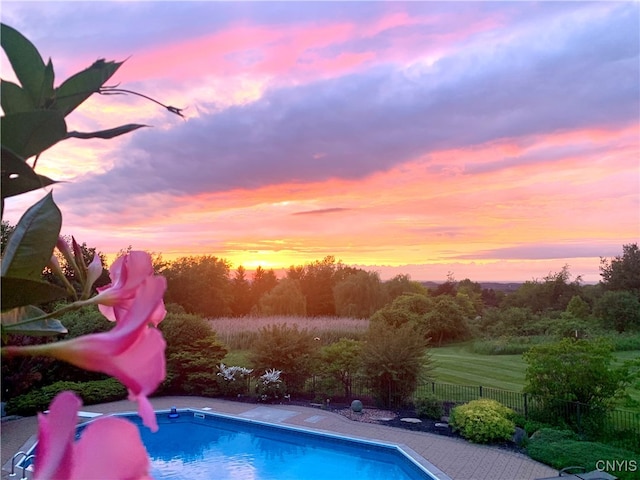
(192, 353)
(85, 321)
(508, 345)
(553, 435)
(532, 426)
(483, 421)
(38, 400)
(192, 371)
(340, 363)
(183, 330)
(287, 349)
(429, 407)
(394, 359)
(553, 377)
(561, 448)
(22, 374)
(623, 341)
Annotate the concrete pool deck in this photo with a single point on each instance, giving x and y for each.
(458, 459)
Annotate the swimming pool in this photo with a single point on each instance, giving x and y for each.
(201, 445)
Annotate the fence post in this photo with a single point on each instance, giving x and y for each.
(433, 387)
(526, 409)
(480, 391)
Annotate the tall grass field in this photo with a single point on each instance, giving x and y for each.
(239, 333)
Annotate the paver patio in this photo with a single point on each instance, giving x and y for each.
(459, 460)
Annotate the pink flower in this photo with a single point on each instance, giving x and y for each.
(108, 448)
(127, 273)
(133, 351)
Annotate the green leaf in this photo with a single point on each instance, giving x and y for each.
(82, 85)
(31, 245)
(30, 133)
(18, 177)
(106, 134)
(25, 61)
(14, 98)
(41, 328)
(46, 93)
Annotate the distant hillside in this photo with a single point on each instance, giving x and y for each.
(497, 286)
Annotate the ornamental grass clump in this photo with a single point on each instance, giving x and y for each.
(270, 385)
(233, 380)
(483, 421)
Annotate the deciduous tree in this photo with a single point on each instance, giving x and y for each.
(263, 281)
(286, 298)
(200, 284)
(401, 284)
(359, 295)
(619, 310)
(341, 361)
(574, 371)
(622, 272)
(394, 360)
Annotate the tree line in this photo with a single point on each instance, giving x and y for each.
(206, 285)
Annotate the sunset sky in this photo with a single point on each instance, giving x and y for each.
(497, 141)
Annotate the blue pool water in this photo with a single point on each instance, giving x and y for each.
(227, 448)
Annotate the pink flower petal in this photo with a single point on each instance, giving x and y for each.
(127, 273)
(141, 368)
(56, 432)
(110, 448)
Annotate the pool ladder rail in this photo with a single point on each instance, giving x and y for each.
(24, 466)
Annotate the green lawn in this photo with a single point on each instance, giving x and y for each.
(455, 364)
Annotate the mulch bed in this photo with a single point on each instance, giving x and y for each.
(394, 419)
(389, 418)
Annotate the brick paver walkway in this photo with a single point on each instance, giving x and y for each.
(452, 458)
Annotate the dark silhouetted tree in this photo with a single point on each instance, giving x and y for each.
(619, 310)
(622, 272)
(359, 295)
(240, 293)
(200, 284)
(401, 284)
(263, 281)
(286, 298)
(553, 293)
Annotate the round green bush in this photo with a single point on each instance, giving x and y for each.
(429, 407)
(483, 421)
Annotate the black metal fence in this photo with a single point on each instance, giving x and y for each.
(617, 427)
